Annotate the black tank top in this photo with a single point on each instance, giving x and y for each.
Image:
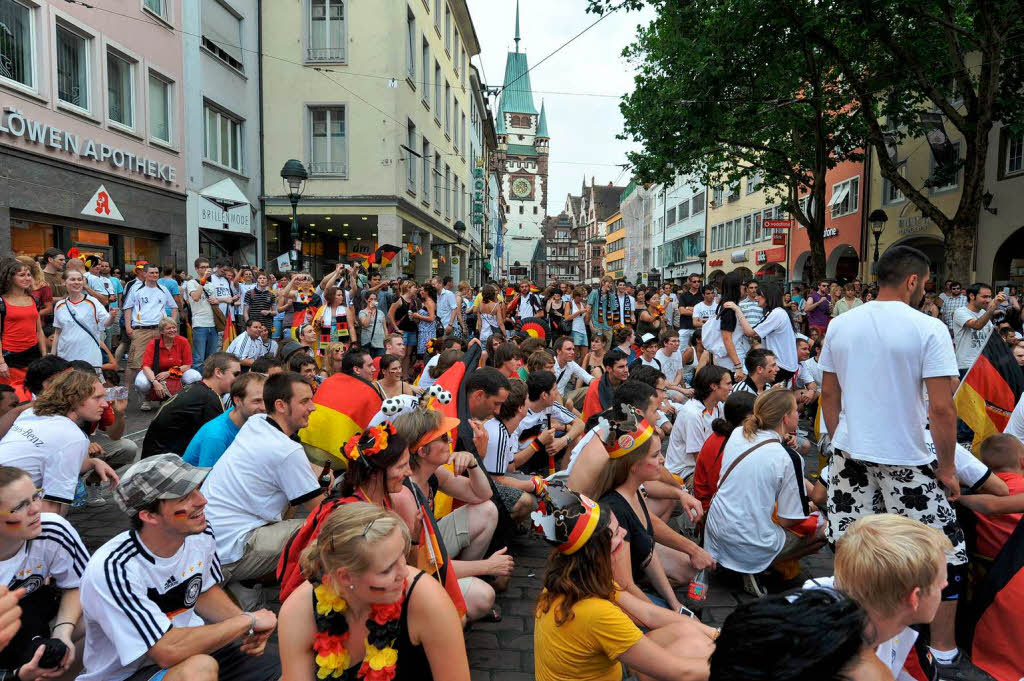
(405, 322)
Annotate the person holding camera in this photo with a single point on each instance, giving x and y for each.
(42, 554)
(972, 324)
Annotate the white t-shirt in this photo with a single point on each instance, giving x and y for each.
(258, 476)
(501, 447)
(740, 533)
(967, 341)
(776, 331)
(704, 311)
(131, 597)
(583, 441)
(579, 322)
(671, 364)
(76, 342)
(50, 449)
(56, 553)
(202, 314)
(881, 353)
(147, 304)
(99, 284)
(691, 428)
(426, 380)
(1015, 426)
(221, 289)
(813, 369)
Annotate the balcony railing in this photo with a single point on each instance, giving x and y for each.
(325, 54)
(326, 168)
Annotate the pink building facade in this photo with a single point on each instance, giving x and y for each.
(91, 129)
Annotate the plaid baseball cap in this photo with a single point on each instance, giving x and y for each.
(164, 476)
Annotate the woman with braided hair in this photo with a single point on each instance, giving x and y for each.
(364, 613)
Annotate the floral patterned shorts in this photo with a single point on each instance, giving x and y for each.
(860, 488)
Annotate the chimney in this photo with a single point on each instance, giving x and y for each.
(610, 184)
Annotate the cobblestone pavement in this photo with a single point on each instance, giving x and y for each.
(500, 651)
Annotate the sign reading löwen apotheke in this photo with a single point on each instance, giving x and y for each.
(15, 124)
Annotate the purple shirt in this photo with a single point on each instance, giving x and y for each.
(819, 315)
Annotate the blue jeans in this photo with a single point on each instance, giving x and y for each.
(278, 326)
(205, 342)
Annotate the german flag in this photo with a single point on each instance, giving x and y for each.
(384, 254)
(431, 556)
(230, 333)
(599, 397)
(344, 406)
(990, 390)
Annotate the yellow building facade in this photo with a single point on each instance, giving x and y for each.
(615, 252)
(735, 237)
(374, 98)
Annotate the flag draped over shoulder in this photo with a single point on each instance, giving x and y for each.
(990, 390)
(431, 555)
(344, 406)
(229, 330)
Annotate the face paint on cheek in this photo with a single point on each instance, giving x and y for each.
(12, 523)
(180, 514)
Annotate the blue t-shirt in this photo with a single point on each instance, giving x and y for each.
(211, 441)
(171, 285)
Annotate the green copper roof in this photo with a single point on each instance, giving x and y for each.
(539, 252)
(500, 123)
(516, 93)
(517, 25)
(542, 126)
(522, 150)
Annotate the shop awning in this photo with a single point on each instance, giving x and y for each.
(224, 191)
(223, 206)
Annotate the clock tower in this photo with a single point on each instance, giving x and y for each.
(523, 139)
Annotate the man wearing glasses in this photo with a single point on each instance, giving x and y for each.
(193, 405)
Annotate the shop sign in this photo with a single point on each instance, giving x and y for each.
(830, 232)
(771, 255)
(914, 225)
(15, 124)
(777, 224)
(216, 214)
(778, 239)
(101, 205)
(739, 256)
(716, 263)
(477, 213)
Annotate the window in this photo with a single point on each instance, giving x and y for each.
(120, 90)
(1014, 154)
(683, 210)
(670, 218)
(734, 191)
(223, 139)
(447, 109)
(462, 133)
(448, 29)
(159, 109)
(157, 7)
(222, 33)
(410, 161)
(425, 70)
(426, 171)
(447, 191)
(410, 46)
(717, 195)
(758, 231)
(72, 68)
(748, 229)
(437, 16)
(952, 178)
(754, 182)
(890, 192)
(327, 148)
(845, 196)
(327, 32)
(437, 90)
(16, 43)
(437, 181)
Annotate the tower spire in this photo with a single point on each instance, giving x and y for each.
(517, 25)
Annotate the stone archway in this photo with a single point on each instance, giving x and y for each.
(843, 263)
(802, 268)
(932, 246)
(1008, 263)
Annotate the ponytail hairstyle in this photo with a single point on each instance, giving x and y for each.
(770, 408)
(348, 538)
(737, 408)
(708, 376)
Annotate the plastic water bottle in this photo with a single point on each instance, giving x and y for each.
(698, 589)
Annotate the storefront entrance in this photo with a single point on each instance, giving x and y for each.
(33, 236)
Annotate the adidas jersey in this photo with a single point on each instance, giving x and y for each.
(501, 447)
(131, 598)
(57, 553)
(555, 416)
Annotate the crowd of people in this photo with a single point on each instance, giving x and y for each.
(652, 434)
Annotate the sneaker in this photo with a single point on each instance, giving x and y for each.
(94, 495)
(753, 587)
(962, 669)
(146, 406)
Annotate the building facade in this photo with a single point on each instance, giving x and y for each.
(615, 247)
(597, 203)
(636, 208)
(91, 130)
(736, 239)
(222, 114)
(388, 158)
(558, 252)
(523, 141)
(678, 222)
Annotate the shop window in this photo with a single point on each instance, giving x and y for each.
(88, 236)
(159, 109)
(17, 61)
(137, 248)
(223, 139)
(222, 33)
(30, 238)
(120, 90)
(327, 140)
(72, 68)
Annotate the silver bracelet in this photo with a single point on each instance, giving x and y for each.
(252, 623)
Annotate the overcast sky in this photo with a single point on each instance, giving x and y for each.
(583, 128)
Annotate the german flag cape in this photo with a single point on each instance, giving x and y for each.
(229, 330)
(384, 254)
(996, 613)
(990, 390)
(599, 397)
(431, 555)
(344, 406)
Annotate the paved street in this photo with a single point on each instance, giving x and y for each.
(501, 651)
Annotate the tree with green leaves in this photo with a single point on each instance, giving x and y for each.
(882, 70)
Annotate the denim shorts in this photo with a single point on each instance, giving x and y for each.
(411, 338)
(579, 338)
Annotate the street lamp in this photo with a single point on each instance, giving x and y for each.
(294, 176)
(877, 220)
(703, 255)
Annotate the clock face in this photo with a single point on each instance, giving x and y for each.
(521, 187)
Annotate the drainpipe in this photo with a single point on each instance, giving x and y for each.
(261, 257)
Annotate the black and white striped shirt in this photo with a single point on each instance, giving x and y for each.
(57, 553)
(501, 447)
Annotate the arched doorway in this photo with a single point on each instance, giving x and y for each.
(802, 268)
(744, 273)
(933, 247)
(715, 278)
(843, 263)
(772, 272)
(1008, 264)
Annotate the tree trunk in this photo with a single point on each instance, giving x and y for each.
(960, 248)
